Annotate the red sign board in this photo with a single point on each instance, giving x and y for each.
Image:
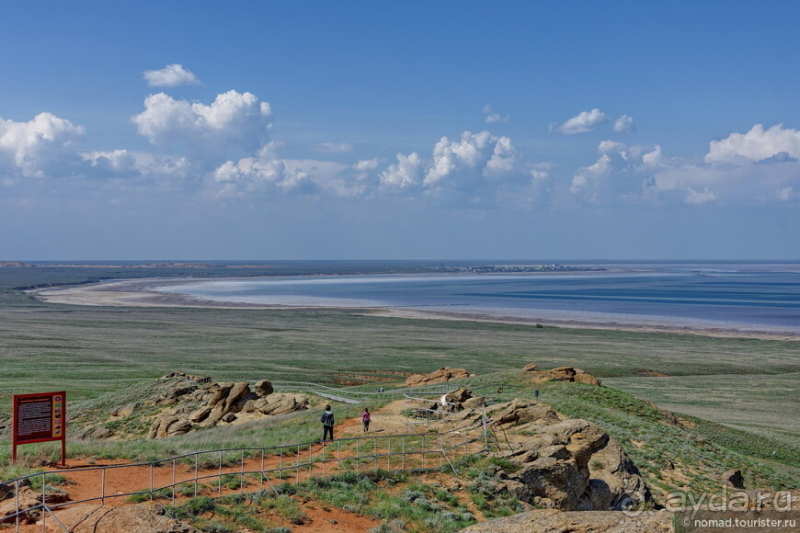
(39, 417)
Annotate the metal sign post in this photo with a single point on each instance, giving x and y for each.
(40, 417)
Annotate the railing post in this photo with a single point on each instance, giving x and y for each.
(173, 482)
(241, 476)
(196, 472)
(16, 502)
(151, 481)
(297, 479)
(102, 486)
(44, 502)
(219, 475)
(389, 455)
(404, 452)
(423, 451)
(485, 436)
(358, 455)
(261, 485)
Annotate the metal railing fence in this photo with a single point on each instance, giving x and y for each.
(225, 471)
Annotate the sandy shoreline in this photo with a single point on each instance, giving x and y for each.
(143, 293)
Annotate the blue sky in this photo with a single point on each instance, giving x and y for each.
(406, 130)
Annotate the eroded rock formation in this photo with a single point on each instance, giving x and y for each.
(552, 521)
(225, 403)
(562, 373)
(438, 376)
(566, 464)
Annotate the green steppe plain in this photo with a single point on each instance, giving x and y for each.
(740, 396)
(744, 383)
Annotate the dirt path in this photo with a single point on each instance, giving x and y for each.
(112, 486)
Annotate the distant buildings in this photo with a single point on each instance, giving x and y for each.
(487, 269)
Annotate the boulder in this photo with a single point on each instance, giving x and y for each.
(588, 379)
(243, 401)
(553, 483)
(125, 411)
(238, 391)
(28, 499)
(188, 377)
(553, 521)
(168, 426)
(101, 433)
(212, 404)
(571, 465)
(179, 427)
(219, 393)
(6, 491)
(264, 387)
(279, 404)
(438, 376)
(140, 518)
(176, 392)
(562, 373)
(530, 367)
(474, 403)
(226, 400)
(524, 411)
(458, 396)
(200, 415)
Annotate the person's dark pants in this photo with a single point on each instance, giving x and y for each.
(366, 425)
(327, 430)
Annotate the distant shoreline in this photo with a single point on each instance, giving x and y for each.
(143, 293)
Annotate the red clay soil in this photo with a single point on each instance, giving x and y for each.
(84, 484)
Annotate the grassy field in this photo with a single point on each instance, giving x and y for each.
(742, 383)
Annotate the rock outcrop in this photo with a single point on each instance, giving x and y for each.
(438, 376)
(523, 411)
(458, 396)
(562, 373)
(224, 403)
(570, 465)
(552, 521)
(28, 499)
(140, 518)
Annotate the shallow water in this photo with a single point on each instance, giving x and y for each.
(701, 296)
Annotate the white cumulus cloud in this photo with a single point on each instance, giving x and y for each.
(758, 167)
(466, 163)
(233, 120)
(587, 121)
(623, 124)
(618, 175)
(172, 75)
(755, 145)
(44, 146)
(584, 122)
(403, 175)
(468, 171)
(490, 117)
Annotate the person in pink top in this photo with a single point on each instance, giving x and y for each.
(366, 418)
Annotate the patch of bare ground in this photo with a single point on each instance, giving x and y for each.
(652, 374)
(83, 484)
